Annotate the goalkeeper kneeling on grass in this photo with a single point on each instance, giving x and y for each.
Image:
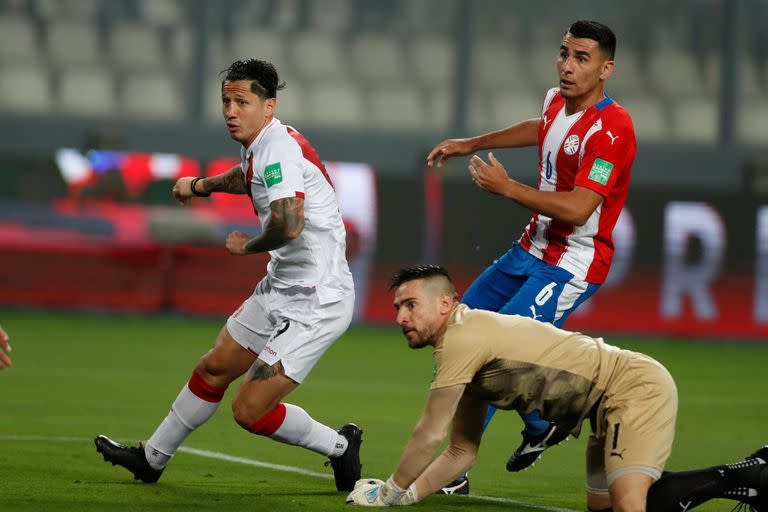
(516, 363)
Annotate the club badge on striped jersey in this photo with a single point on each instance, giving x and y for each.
(571, 145)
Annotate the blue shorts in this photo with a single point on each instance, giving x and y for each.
(521, 284)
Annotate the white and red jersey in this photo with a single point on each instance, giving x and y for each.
(280, 163)
(593, 148)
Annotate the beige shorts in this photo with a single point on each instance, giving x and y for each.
(634, 427)
(289, 325)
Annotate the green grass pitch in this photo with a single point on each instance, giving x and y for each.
(75, 376)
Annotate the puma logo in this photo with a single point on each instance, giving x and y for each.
(546, 121)
(619, 454)
(533, 313)
(613, 139)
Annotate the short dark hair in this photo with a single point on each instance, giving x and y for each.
(596, 31)
(262, 74)
(418, 272)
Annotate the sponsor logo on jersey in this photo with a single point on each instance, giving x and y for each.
(273, 174)
(601, 171)
(571, 144)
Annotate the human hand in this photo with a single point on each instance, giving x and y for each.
(182, 190)
(368, 493)
(447, 149)
(235, 243)
(6, 349)
(491, 176)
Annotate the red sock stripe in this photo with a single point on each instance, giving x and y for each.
(204, 390)
(270, 422)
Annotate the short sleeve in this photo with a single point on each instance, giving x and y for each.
(459, 358)
(283, 178)
(608, 154)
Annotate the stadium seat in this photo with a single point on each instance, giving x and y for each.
(627, 78)
(541, 65)
(395, 107)
(695, 119)
(182, 47)
(153, 96)
(290, 104)
(329, 15)
(651, 122)
(57, 10)
(438, 108)
(86, 92)
(136, 47)
(753, 112)
(25, 89)
(263, 44)
(496, 64)
(673, 73)
(335, 104)
(433, 59)
(18, 42)
(319, 56)
(167, 13)
(377, 57)
(509, 108)
(73, 43)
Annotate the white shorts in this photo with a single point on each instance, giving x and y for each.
(289, 325)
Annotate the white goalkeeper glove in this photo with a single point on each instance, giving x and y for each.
(371, 492)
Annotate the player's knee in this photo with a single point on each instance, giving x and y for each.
(598, 502)
(629, 503)
(260, 420)
(214, 370)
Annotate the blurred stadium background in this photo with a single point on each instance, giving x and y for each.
(104, 103)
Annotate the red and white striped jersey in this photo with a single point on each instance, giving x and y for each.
(280, 163)
(593, 148)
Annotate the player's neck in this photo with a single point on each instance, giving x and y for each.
(267, 120)
(573, 105)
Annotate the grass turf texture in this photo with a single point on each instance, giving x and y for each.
(78, 376)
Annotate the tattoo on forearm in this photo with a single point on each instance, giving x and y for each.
(262, 371)
(285, 223)
(231, 181)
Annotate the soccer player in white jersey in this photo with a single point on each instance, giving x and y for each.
(296, 312)
(586, 145)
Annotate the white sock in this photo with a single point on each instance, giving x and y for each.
(299, 429)
(188, 412)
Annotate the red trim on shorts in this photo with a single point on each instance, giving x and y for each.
(270, 422)
(300, 194)
(202, 389)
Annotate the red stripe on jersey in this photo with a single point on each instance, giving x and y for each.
(300, 194)
(270, 422)
(309, 152)
(248, 180)
(202, 389)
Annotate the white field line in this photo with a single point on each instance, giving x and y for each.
(277, 467)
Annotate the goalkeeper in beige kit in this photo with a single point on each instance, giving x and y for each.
(516, 363)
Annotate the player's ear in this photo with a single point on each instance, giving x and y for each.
(446, 303)
(606, 69)
(271, 104)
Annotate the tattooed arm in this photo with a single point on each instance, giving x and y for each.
(231, 181)
(286, 221)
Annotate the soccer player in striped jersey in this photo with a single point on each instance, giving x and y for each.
(586, 147)
(295, 313)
